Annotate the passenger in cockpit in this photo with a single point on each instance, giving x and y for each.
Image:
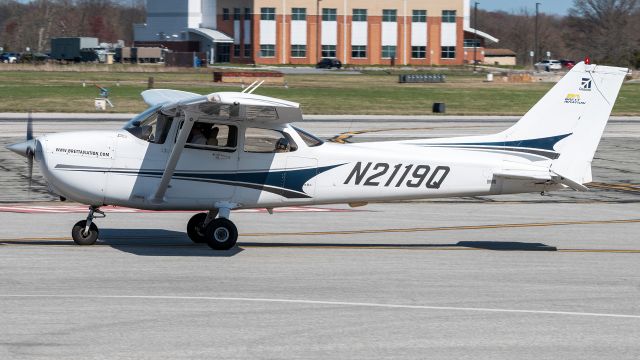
(212, 138)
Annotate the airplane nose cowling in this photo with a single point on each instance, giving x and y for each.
(24, 148)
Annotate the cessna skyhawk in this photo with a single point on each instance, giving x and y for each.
(236, 150)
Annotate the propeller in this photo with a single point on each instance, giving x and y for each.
(27, 148)
(30, 150)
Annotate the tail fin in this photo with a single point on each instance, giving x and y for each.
(573, 114)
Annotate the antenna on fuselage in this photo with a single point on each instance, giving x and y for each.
(255, 87)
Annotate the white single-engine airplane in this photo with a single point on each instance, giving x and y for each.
(231, 150)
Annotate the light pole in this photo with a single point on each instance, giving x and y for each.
(318, 21)
(475, 36)
(535, 45)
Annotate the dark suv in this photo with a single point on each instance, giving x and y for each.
(329, 63)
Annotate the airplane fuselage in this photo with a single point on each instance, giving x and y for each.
(117, 168)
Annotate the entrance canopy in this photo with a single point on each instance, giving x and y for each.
(481, 34)
(214, 36)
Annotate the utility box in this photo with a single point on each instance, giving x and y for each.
(101, 104)
(72, 48)
(439, 108)
(139, 55)
(149, 54)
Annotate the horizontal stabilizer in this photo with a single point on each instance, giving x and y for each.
(540, 175)
(568, 182)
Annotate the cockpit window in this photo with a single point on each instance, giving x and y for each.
(308, 138)
(151, 126)
(212, 136)
(257, 140)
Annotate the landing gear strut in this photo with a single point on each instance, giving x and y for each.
(219, 233)
(85, 232)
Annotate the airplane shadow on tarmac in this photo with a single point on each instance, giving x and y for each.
(158, 242)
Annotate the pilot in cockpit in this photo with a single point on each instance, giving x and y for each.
(197, 135)
(282, 146)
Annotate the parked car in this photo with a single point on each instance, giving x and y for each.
(548, 65)
(568, 64)
(329, 63)
(9, 58)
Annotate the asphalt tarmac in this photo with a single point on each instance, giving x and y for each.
(517, 277)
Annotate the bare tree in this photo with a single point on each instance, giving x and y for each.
(34, 23)
(606, 30)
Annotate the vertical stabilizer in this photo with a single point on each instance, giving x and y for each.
(575, 110)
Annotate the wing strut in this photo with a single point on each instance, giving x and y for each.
(170, 168)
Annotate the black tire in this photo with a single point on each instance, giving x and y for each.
(77, 233)
(222, 234)
(195, 229)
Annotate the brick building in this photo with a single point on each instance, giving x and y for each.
(361, 32)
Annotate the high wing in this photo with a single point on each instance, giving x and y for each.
(165, 96)
(236, 107)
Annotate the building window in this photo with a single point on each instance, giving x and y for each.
(389, 15)
(448, 52)
(419, 16)
(225, 14)
(448, 16)
(329, 14)
(470, 43)
(299, 14)
(236, 14)
(247, 50)
(247, 13)
(236, 50)
(328, 51)
(267, 50)
(359, 15)
(418, 52)
(267, 13)
(358, 51)
(388, 52)
(298, 51)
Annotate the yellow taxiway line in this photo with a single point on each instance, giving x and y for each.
(446, 228)
(40, 240)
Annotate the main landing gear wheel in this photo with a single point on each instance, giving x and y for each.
(222, 234)
(196, 229)
(82, 237)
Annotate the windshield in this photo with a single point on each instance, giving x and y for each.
(151, 125)
(308, 138)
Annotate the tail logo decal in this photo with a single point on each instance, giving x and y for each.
(586, 84)
(574, 99)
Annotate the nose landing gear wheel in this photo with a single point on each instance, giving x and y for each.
(81, 237)
(221, 234)
(196, 230)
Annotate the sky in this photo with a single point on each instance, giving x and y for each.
(559, 7)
